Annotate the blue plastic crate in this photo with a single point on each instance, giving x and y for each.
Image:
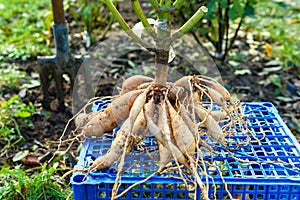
(244, 181)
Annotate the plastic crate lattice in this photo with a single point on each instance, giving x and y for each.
(244, 181)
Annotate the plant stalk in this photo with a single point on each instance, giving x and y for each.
(124, 25)
(163, 43)
(154, 4)
(190, 23)
(140, 13)
(177, 4)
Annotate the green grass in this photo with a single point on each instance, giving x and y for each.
(10, 76)
(24, 28)
(278, 23)
(17, 184)
(10, 111)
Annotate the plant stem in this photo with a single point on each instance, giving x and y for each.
(190, 23)
(227, 33)
(163, 43)
(161, 2)
(168, 4)
(221, 35)
(117, 15)
(124, 25)
(139, 11)
(107, 27)
(154, 4)
(238, 28)
(177, 4)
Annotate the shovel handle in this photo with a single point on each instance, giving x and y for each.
(58, 11)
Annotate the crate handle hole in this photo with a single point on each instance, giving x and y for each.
(268, 104)
(79, 178)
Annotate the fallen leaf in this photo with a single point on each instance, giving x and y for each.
(22, 93)
(275, 79)
(30, 159)
(131, 64)
(268, 49)
(294, 21)
(32, 84)
(242, 72)
(253, 52)
(20, 155)
(284, 99)
(273, 63)
(296, 82)
(233, 63)
(267, 70)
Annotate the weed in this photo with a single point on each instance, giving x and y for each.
(23, 25)
(16, 184)
(10, 76)
(10, 111)
(89, 16)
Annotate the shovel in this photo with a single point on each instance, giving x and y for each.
(61, 63)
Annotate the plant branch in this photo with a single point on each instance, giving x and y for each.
(107, 27)
(238, 28)
(210, 40)
(177, 4)
(161, 2)
(168, 3)
(193, 32)
(227, 32)
(154, 4)
(220, 24)
(139, 11)
(236, 33)
(124, 25)
(190, 23)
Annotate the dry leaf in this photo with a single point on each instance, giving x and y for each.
(294, 21)
(30, 159)
(268, 49)
(20, 155)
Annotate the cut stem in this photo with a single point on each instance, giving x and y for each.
(190, 23)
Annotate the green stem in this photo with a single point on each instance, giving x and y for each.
(154, 4)
(107, 27)
(117, 15)
(177, 4)
(168, 4)
(190, 23)
(124, 25)
(139, 11)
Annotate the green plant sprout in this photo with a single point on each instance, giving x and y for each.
(161, 33)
